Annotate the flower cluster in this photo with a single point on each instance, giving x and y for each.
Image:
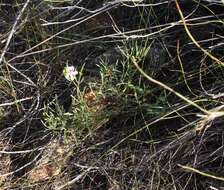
(70, 73)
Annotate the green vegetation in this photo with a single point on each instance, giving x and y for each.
(111, 95)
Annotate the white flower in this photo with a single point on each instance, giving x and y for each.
(70, 73)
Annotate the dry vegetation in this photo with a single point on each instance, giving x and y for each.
(145, 110)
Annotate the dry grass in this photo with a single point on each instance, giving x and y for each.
(146, 108)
